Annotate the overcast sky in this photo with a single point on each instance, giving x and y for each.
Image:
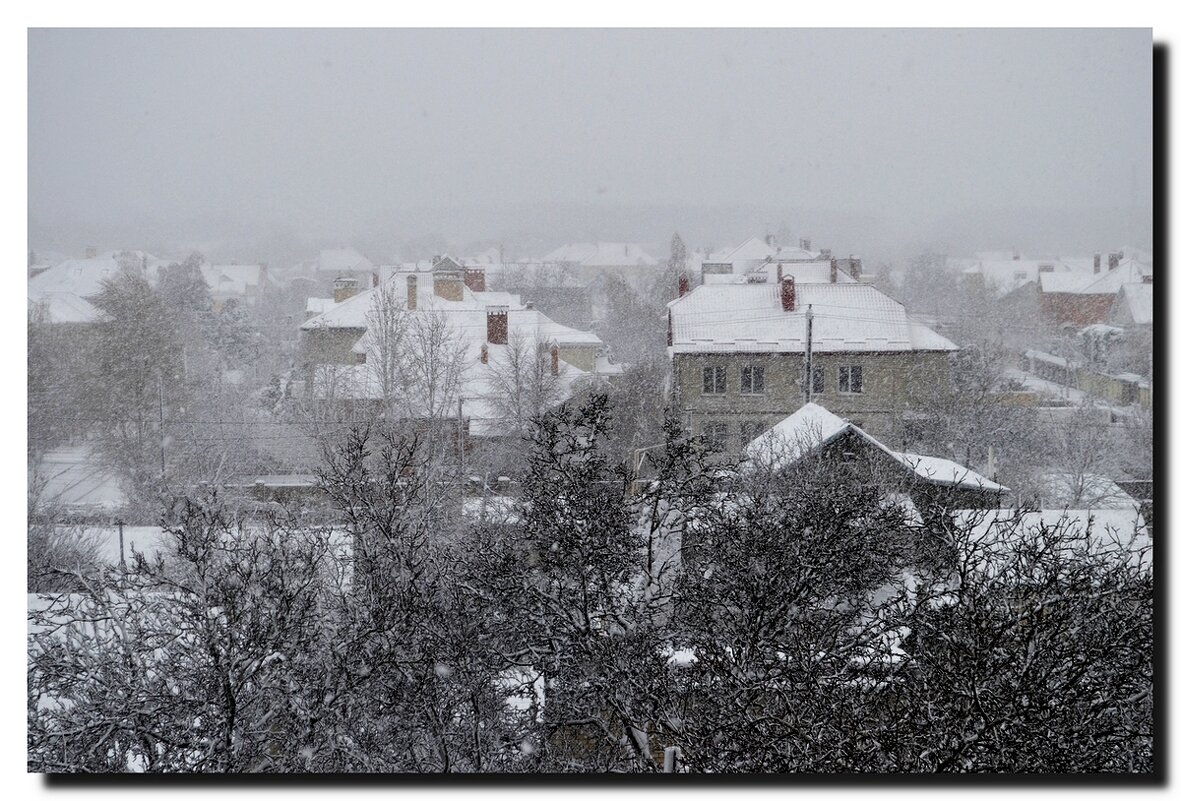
(328, 129)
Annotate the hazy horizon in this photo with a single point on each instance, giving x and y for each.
(865, 140)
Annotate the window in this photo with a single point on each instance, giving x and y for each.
(849, 379)
(716, 435)
(817, 380)
(752, 379)
(1020, 275)
(750, 429)
(713, 381)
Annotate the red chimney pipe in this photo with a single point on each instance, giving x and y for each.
(553, 359)
(787, 293)
(682, 285)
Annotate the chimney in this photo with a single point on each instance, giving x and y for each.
(91, 252)
(1097, 262)
(412, 292)
(449, 284)
(805, 243)
(344, 288)
(497, 325)
(779, 272)
(770, 240)
(1016, 255)
(682, 285)
(376, 278)
(484, 353)
(832, 271)
(825, 254)
(473, 278)
(787, 293)
(435, 260)
(529, 305)
(855, 267)
(1112, 261)
(553, 359)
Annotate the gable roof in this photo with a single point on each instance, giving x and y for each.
(1134, 304)
(846, 317)
(811, 427)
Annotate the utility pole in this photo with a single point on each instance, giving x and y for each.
(160, 387)
(459, 439)
(122, 561)
(808, 355)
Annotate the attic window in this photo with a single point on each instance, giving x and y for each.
(1020, 275)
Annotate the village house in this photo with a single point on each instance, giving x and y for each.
(739, 349)
(243, 283)
(813, 433)
(340, 348)
(757, 251)
(590, 260)
(1083, 299)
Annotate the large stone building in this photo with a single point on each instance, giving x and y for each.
(739, 343)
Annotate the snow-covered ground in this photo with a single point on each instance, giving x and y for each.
(74, 477)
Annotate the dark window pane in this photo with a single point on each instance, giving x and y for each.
(843, 379)
(817, 380)
(855, 379)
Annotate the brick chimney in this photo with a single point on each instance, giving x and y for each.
(855, 267)
(344, 288)
(484, 353)
(449, 284)
(473, 278)
(787, 293)
(412, 292)
(805, 243)
(770, 240)
(832, 271)
(1098, 261)
(553, 359)
(682, 285)
(1112, 261)
(497, 325)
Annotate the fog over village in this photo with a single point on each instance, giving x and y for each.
(590, 401)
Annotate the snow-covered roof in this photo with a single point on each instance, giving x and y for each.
(83, 277)
(847, 317)
(468, 316)
(1134, 303)
(342, 260)
(319, 305)
(602, 254)
(1085, 491)
(757, 248)
(1119, 535)
(1107, 282)
(1007, 274)
(231, 280)
(62, 307)
(812, 426)
(804, 272)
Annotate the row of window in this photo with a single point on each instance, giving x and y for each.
(713, 380)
